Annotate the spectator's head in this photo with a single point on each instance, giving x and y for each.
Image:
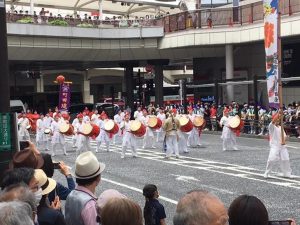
(16, 213)
(88, 170)
(18, 175)
(19, 192)
(121, 211)
(27, 158)
(150, 191)
(48, 166)
(105, 196)
(243, 209)
(200, 208)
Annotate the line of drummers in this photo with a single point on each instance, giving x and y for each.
(176, 131)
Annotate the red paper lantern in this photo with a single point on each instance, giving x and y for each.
(149, 68)
(60, 79)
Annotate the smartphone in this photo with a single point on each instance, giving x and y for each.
(23, 145)
(56, 165)
(280, 222)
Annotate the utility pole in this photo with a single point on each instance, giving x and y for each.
(4, 76)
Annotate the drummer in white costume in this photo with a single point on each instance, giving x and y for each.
(47, 124)
(74, 138)
(228, 136)
(128, 139)
(171, 126)
(58, 139)
(103, 135)
(182, 139)
(194, 137)
(95, 117)
(278, 151)
(41, 137)
(138, 114)
(23, 124)
(83, 141)
(160, 132)
(86, 117)
(118, 120)
(148, 141)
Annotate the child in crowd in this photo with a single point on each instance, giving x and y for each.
(154, 212)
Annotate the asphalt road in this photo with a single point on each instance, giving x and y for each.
(227, 174)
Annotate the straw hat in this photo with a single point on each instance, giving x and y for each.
(87, 166)
(47, 184)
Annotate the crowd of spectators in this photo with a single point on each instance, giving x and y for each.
(27, 188)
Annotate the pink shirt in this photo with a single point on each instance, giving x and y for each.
(89, 212)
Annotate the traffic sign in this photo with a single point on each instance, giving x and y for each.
(5, 132)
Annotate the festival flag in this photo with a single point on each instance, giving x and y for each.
(64, 96)
(271, 49)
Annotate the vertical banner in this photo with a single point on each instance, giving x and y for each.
(64, 97)
(5, 132)
(2, 3)
(271, 49)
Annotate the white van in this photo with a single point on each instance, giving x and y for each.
(17, 106)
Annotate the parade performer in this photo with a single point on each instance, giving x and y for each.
(86, 117)
(41, 137)
(24, 125)
(171, 126)
(194, 136)
(148, 141)
(95, 117)
(75, 136)
(118, 120)
(182, 136)
(160, 132)
(47, 124)
(103, 135)
(83, 141)
(58, 139)
(228, 136)
(128, 139)
(278, 150)
(138, 114)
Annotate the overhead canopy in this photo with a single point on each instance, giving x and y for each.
(117, 7)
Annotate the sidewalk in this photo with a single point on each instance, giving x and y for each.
(290, 139)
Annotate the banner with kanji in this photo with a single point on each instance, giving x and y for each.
(271, 49)
(64, 97)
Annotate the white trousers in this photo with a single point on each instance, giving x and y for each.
(172, 145)
(129, 140)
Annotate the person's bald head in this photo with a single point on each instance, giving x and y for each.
(200, 208)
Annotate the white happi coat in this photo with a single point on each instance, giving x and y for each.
(182, 139)
(137, 115)
(128, 138)
(193, 138)
(40, 128)
(103, 135)
(227, 133)
(277, 150)
(162, 117)
(57, 138)
(118, 119)
(94, 118)
(23, 123)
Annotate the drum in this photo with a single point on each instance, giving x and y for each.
(186, 124)
(111, 127)
(28, 127)
(47, 131)
(236, 124)
(198, 121)
(137, 128)
(66, 129)
(154, 122)
(90, 129)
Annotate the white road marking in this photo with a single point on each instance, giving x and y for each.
(215, 167)
(137, 190)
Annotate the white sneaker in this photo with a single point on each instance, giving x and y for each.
(167, 157)
(122, 156)
(52, 154)
(235, 148)
(224, 149)
(74, 146)
(153, 147)
(266, 175)
(96, 150)
(177, 156)
(134, 156)
(66, 154)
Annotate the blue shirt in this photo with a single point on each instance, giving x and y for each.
(153, 212)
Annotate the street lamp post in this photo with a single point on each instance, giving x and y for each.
(4, 76)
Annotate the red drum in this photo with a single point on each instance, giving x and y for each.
(66, 129)
(186, 124)
(137, 128)
(111, 127)
(90, 129)
(236, 125)
(154, 122)
(199, 121)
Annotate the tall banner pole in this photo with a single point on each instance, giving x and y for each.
(272, 25)
(279, 47)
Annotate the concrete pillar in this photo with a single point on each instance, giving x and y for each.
(100, 9)
(86, 89)
(128, 76)
(40, 84)
(229, 72)
(159, 81)
(31, 7)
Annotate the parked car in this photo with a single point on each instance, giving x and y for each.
(78, 108)
(109, 108)
(17, 106)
